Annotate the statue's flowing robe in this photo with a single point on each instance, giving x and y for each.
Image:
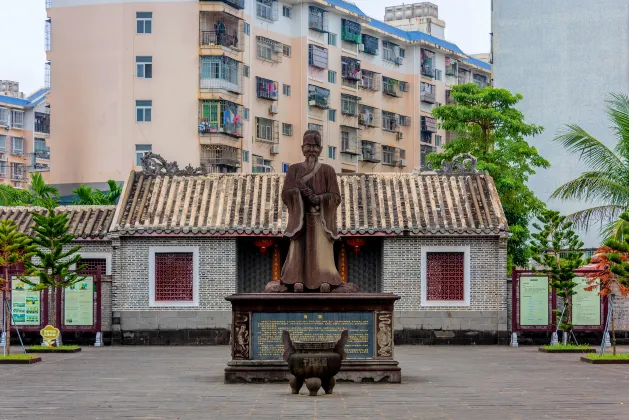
(311, 229)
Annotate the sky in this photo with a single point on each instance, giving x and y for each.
(22, 22)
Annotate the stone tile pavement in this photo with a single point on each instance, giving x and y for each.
(439, 382)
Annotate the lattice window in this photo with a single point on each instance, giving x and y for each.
(174, 277)
(98, 265)
(445, 276)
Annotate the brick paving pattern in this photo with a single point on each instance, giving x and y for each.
(439, 382)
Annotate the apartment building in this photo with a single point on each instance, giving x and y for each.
(24, 134)
(233, 84)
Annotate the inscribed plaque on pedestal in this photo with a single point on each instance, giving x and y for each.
(79, 303)
(586, 305)
(534, 301)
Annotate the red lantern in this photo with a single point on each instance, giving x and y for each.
(263, 244)
(356, 243)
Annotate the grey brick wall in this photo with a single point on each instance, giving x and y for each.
(217, 272)
(401, 274)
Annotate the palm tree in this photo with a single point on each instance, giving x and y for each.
(42, 194)
(607, 180)
(88, 196)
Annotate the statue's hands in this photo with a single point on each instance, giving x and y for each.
(306, 192)
(314, 199)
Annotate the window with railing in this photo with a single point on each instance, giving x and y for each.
(41, 150)
(428, 93)
(428, 124)
(349, 104)
(449, 98)
(349, 140)
(371, 151)
(316, 127)
(267, 89)
(17, 145)
(17, 118)
(42, 123)
(451, 66)
(369, 116)
(267, 130)
(350, 31)
(317, 19)
(317, 56)
(388, 155)
(3, 143)
(464, 76)
(425, 137)
(17, 171)
(350, 68)
(221, 117)
(3, 169)
(427, 63)
(370, 80)
(318, 97)
(393, 87)
(480, 80)
(261, 165)
(47, 35)
(220, 72)
(47, 74)
(218, 158)
(221, 29)
(405, 121)
(391, 53)
(390, 121)
(267, 10)
(371, 44)
(268, 49)
(4, 116)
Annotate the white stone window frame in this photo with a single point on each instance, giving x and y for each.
(466, 276)
(195, 276)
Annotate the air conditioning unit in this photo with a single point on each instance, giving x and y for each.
(399, 61)
(273, 109)
(312, 103)
(400, 135)
(361, 47)
(275, 149)
(278, 48)
(403, 162)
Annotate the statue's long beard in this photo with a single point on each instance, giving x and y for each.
(311, 161)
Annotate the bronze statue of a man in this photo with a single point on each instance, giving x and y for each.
(311, 193)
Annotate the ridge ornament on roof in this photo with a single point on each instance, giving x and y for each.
(155, 165)
(463, 164)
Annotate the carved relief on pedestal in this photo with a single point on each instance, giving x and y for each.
(241, 332)
(384, 334)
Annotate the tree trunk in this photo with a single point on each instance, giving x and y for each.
(53, 308)
(613, 333)
(7, 309)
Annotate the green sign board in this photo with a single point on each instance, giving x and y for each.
(586, 305)
(534, 301)
(79, 303)
(25, 302)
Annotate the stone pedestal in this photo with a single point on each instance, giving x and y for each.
(258, 320)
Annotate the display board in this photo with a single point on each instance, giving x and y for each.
(79, 303)
(26, 303)
(533, 302)
(588, 310)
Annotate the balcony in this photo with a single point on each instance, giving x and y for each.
(269, 50)
(427, 63)
(220, 159)
(427, 93)
(220, 73)
(350, 68)
(350, 31)
(369, 116)
(42, 123)
(392, 53)
(317, 19)
(317, 56)
(267, 89)
(371, 152)
(318, 97)
(219, 118)
(219, 29)
(428, 124)
(480, 80)
(236, 4)
(349, 105)
(451, 67)
(425, 150)
(465, 76)
(449, 99)
(267, 10)
(392, 87)
(370, 44)
(390, 122)
(370, 80)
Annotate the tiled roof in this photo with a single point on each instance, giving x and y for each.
(250, 204)
(10, 100)
(86, 222)
(350, 7)
(33, 100)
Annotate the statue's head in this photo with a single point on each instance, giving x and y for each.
(311, 146)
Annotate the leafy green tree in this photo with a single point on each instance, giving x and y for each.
(488, 126)
(607, 179)
(15, 248)
(555, 237)
(55, 254)
(88, 196)
(42, 194)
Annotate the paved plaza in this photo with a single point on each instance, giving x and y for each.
(439, 382)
